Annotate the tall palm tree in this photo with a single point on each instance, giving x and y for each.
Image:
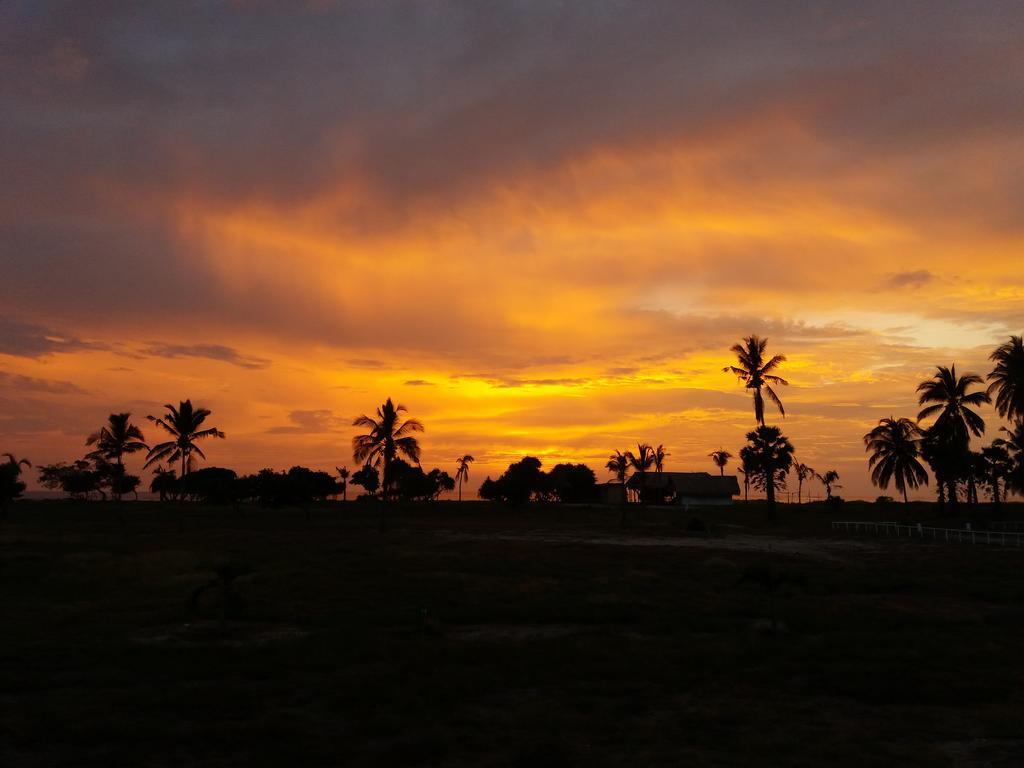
(1014, 444)
(720, 458)
(947, 397)
(830, 481)
(463, 471)
(388, 437)
(998, 466)
(642, 460)
(756, 373)
(113, 440)
(745, 473)
(768, 456)
(660, 454)
(343, 476)
(803, 473)
(1008, 379)
(184, 425)
(896, 455)
(618, 465)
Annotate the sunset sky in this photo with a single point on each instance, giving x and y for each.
(540, 225)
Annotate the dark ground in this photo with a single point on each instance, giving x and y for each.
(567, 641)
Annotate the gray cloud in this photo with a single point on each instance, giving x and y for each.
(306, 422)
(217, 352)
(914, 279)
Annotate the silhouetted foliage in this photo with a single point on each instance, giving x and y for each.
(767, 458)
(830, 479)
(78, 480)
(299, 486)
(212, 485)
(618, 465)
(165, 483)
(183, 424)
(11, 485)
(388, 438)
(756, 373)
(367, 478)
(572, 483)
(343, 478)
(411, 483)
(1014, 444)
(521, 482)
(1007, 379)
(998, 467)
(720, 458)
(803, 473)
(113, 440)
(462, 473)
(895, 446)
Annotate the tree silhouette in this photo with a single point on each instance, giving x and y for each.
(997, 466)
(660, 454)
(113, 440)
(745, 474)
(803, 472)
(947, 397)
(343, 475)
(642, 460)
(11, 486)
(388, 437)
(1014, 444)
(767, 457)
(830, 480)
(756, 373)
(1007, 379)
(462, 474)
(618, 465)
(895, 446)
(720, 458)
(184, 425)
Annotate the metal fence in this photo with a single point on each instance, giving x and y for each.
(917, 531)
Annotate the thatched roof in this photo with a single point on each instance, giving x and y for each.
(700, 485)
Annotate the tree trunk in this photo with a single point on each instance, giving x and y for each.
(905, 499)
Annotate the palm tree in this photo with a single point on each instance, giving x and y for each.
(767, 458)
(642, 460)
(618, 465)
(746, 481)
(756, 373)
(1014, 444)
(947, 396)
(896, 454)
(1008, 379)
(803, 472)
(660, 454)
(343, 475)
(388, 437)
(113, 440)
(720, 458)
(184, 425)
(463, 471)
(829, 480)
(998, 466)
(11, 487)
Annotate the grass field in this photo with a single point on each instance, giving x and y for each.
(478, 636)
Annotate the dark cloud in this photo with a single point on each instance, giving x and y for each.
(914, 279)
(217, 352)
(31, 384)
(310, 422)
(418, 383)
(23, 339)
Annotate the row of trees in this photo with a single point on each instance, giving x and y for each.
(898, 446)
